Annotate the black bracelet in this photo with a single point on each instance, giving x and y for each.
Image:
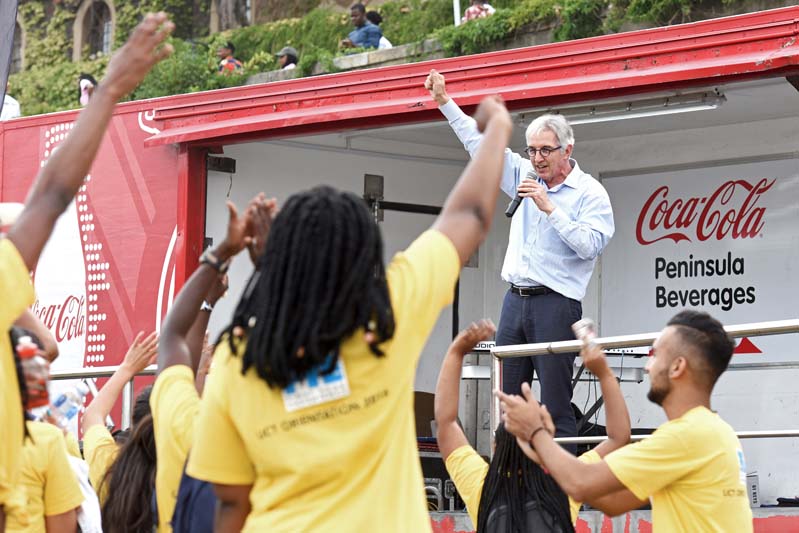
(532, 435)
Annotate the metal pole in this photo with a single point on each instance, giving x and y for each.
(777, 327)
(757, 329)
(95, 372)
(456, 11)
(774, 434)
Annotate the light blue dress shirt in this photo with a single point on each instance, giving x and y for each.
(559, 250)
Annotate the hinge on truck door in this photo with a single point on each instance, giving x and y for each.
(219, 163)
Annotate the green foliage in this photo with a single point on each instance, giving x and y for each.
(414, 20)
(192, 68)
(581, 18)
(46, 41)
(660, 12)
(128, 15)
(53, 88)
(485, 34)
(319, 29)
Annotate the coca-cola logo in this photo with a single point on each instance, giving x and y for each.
(67, 321)
(731, 210)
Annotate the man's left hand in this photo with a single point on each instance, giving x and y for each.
(537, 193)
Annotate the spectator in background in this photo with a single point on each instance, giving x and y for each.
(365, 34)
(227, 63)
(478, 10)
(86, 86)
(10, 107)
(287, 58)
(375, 18)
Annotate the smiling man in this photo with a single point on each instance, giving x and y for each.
(563, 223)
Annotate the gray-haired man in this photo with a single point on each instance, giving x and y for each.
(553, 245)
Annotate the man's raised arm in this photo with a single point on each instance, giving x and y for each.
(466, 129)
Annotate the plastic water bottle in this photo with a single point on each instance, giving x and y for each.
(66, 406)
(585, 330)
(36, 370)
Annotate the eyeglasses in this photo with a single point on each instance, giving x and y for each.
(545, 151)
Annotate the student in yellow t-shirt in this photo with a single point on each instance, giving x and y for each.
(175, 401)
(48, 493)
(54, 188)
(99, 447)
(692, 468)
(306, 421)
(482, 486)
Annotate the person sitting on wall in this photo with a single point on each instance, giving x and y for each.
(227, 63)
(478, 10)
(692, 468)
(532, 495)
(365, 34)
(375, 18)
(287, 58)
(86, 86)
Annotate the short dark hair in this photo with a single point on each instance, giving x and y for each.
(708, 336)
(230, 46)
(374, 17)
(358, 7)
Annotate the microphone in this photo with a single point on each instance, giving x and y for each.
(514, 204)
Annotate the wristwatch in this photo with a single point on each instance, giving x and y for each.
(208, 258)
(206, 306)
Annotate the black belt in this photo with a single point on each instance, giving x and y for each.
(530, 291)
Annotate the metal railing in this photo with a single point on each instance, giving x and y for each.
(756, 329)
(105, 372)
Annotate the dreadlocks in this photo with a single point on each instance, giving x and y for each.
(513, 480)
(321, 277)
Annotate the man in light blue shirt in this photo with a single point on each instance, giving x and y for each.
(365, 34)
(563, 223)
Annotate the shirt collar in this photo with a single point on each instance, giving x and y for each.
(572, 179)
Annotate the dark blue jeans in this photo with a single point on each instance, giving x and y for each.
(542, 318)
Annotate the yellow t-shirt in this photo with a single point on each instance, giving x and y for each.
(345, 464)
(73, 447)
(100, 451)
(17, 291)
(47, 484)
(694, 471)
(175, 405)
(468, 471)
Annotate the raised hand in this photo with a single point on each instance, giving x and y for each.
(239, 231)
(477, 332)
(437, 86)
(142, 352)
(263, 215)
(131, 63)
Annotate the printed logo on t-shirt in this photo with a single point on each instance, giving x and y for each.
(741, 467)
(317, 388)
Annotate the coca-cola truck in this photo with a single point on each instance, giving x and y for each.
(692, 129)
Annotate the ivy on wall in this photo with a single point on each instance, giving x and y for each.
(49, 82)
